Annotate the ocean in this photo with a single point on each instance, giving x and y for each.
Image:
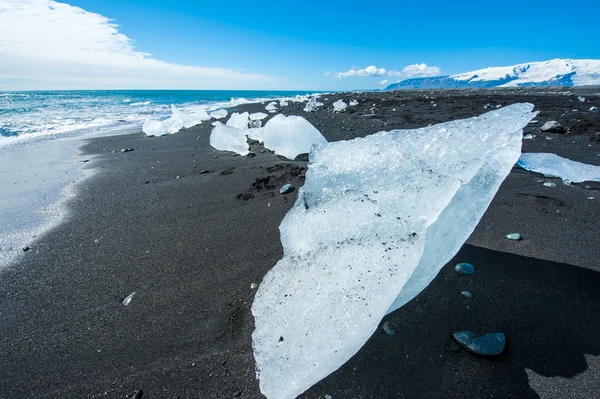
(40, 132)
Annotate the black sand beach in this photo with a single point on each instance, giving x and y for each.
(188, 229)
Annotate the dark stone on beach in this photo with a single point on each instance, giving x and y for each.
(85, 160)
(302, 157)
(464, 268)
(553, 127)
(490, 344)
(245, 197)
(286, 189)
(127, 149)
(467, 294)
(250, 155)
(226, 172)
(25, 249)
(147, 182)
(204, 171)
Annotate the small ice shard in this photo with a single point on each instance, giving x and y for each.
(528, 137)
(375, 221)
(553, 127)
(283, 103)
(464, 268)
(291, 135)
(255, 133)
(514, 236)
(227, 138)
(312, 105)
(353, 103)
(467, 294)
(258, 116)
(490, 344)
(553, 165)
(388, 329)
(128, 298)
(218, 114)
(593, 109)
(582, 99)
(549, 184)
(253, 286)
(286, 189)
(153, 127)
(239, 121)
(534, 122)
(339, 106)
(271, 107)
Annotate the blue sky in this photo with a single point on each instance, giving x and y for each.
(292, 44)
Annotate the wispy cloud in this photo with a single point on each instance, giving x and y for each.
(383, 82)
(408, 71)
(47, 44)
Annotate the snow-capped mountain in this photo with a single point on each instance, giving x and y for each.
(557, 72)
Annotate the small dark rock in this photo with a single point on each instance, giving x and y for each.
(302, 157)
(204, 171)
(226, 172)
(481, 344)
(26, 249)
(250, 155)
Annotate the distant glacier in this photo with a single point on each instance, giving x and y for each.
(558, 72)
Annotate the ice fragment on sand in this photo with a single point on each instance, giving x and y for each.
(227, 138)
(514, 236)
(553, 165)
(128, 299)
(549, 184)
(312, 105)
(218, 114)
(553, 127)
(283, 103)
(271, 107)
(255, 133)
(258, 116)
(178, 120)
(593, 109)
(582, 99)
(239, 121)
(388, 329)
(487, 344)
(528, 137)
(353, 103)
(291, 135)
(467, 294)
(464, 268)
(286, 189)
(372, 226)
(339, 106)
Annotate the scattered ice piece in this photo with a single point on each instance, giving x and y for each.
(553, 165)
(271, 107)
(291, 135)
(590, 198)
(528, 137)
(255, 133)
(218, 114)
(467, 294)
(128, 299)
(582, 99)
(215, 123)
(388, 329)
(312, 105)
(514, 236)
(353, 103)
(534, 122)
(253, 286)
(258, 116)
(549, 184)
(487, 344)
(372, 226)
(339, 106)
(593, 109)
(553, 127)
(239, 121)
(286, 189)
(283, 103)
(176, 122)
(227, 138)
(464, 268)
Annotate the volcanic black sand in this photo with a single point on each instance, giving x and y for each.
(188, 229)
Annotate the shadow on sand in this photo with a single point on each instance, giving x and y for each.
(550, 313)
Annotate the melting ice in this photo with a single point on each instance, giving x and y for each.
(374, 223)
(553, 165)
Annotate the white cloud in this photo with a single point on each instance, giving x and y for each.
(46, 44)
(383, 82)
(408, 71)
(421, 70)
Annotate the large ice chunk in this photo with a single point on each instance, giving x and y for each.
(339, 106)
(227, 138)
(218, 114)
(255, 133)
(258, 116)
(239, 121)
(375, 221)
(291, 135)
(176, 122)
(553, 165)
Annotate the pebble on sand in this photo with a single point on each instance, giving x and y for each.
(490, 344)
(553, 127)
(464, 268)
(388, 329)
(467, 294)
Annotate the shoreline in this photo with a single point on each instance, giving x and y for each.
(190, 248)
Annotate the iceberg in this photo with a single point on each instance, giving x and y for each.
(339, 106)
(553, 165)
(227, 138)
(239, 121)
(218, 114)
(291, 135)
(376, 220)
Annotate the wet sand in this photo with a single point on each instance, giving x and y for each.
(188, 229)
